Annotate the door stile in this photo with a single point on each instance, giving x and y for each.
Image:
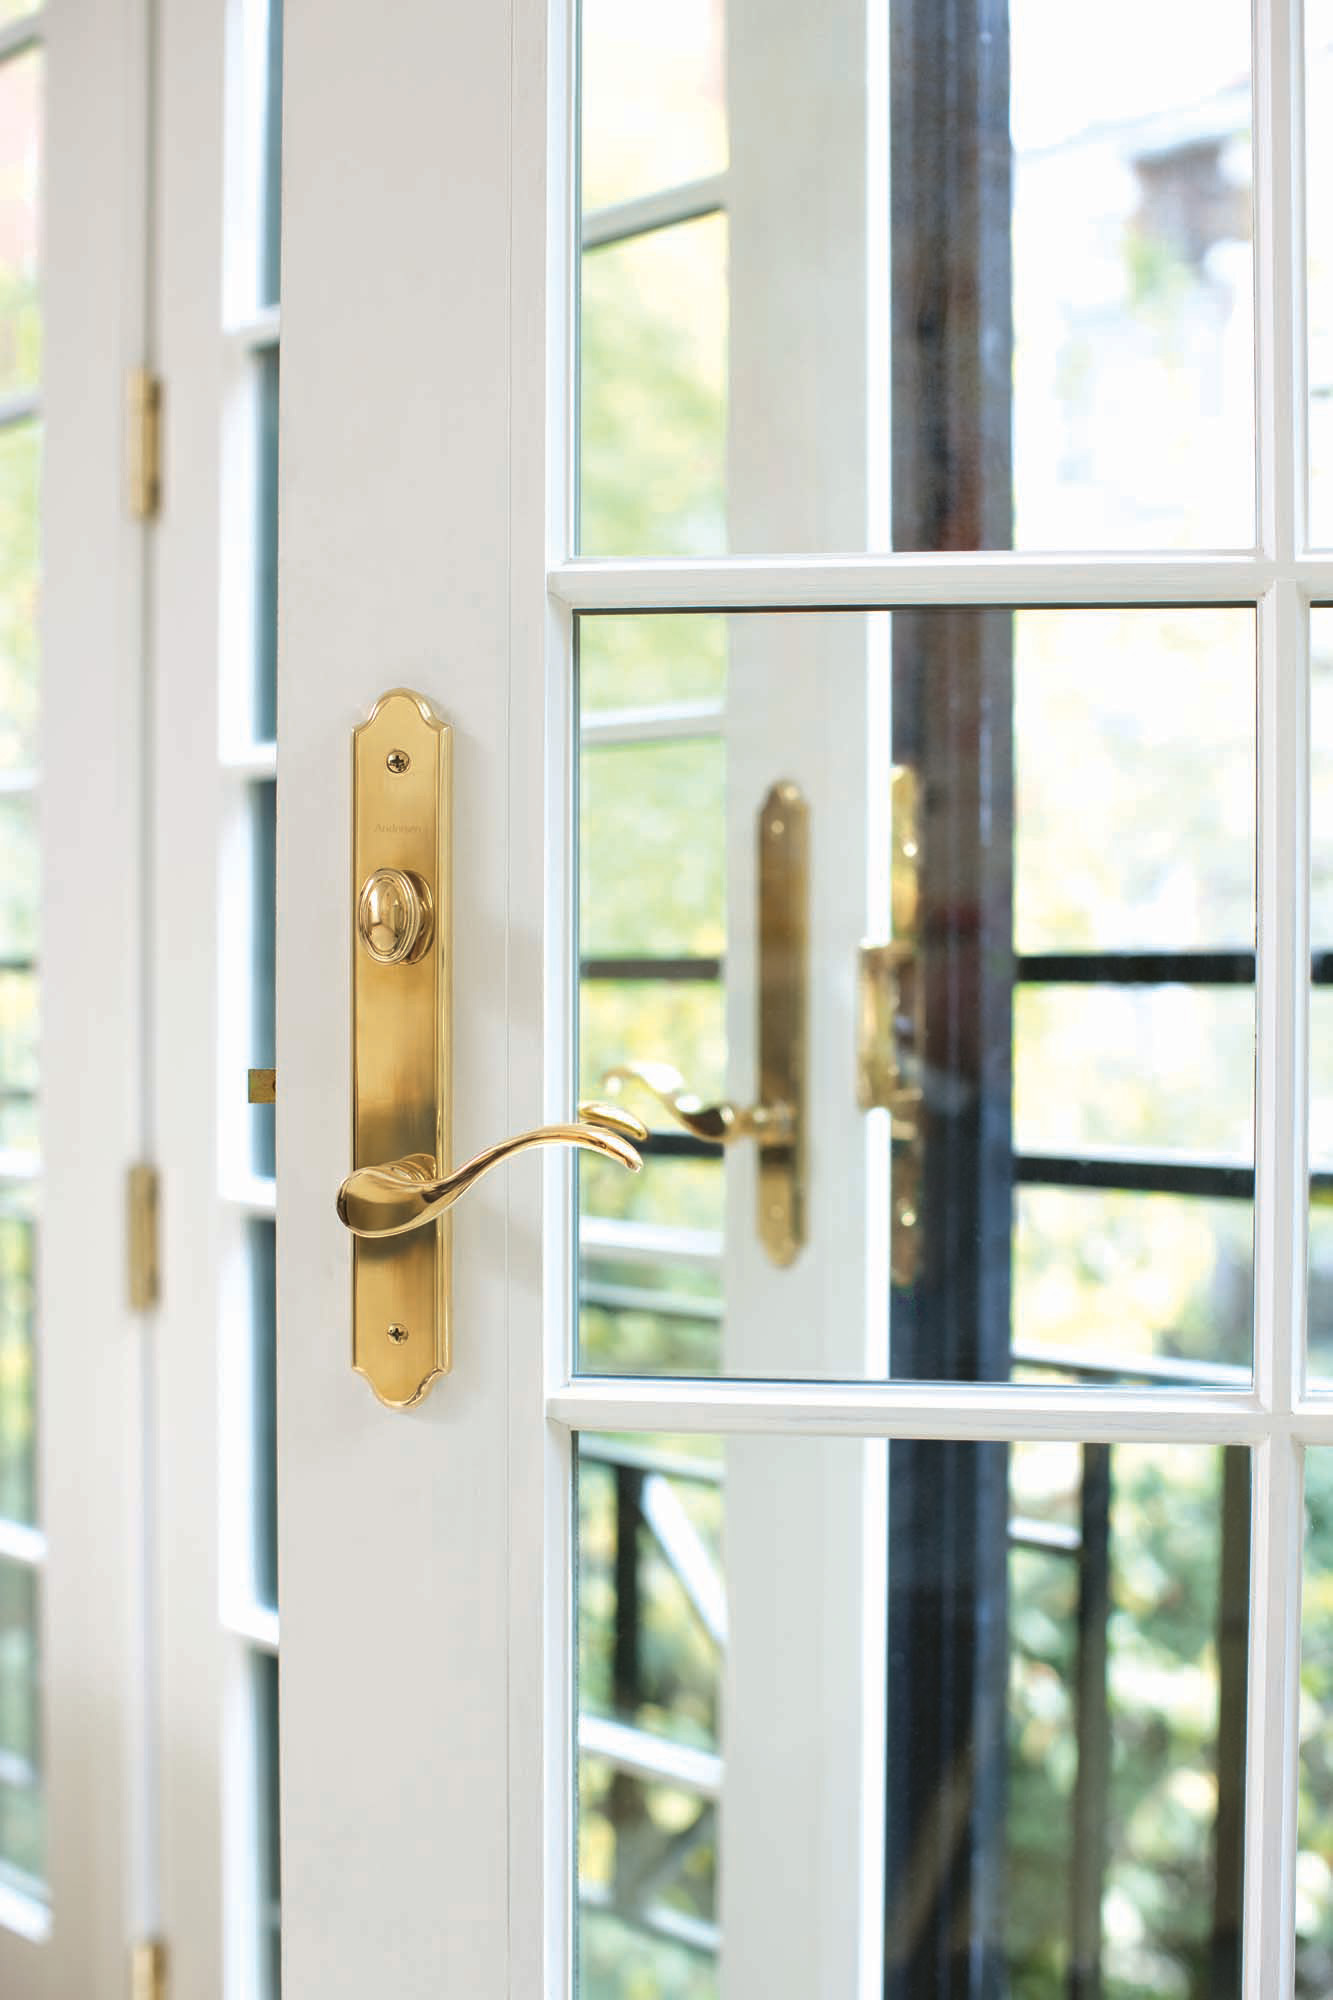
(1280, 1263)
(195, 1392)
(1280, 277)
(94, 1416)
(541, 984)
(396, 521)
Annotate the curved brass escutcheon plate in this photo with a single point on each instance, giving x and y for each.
(401, 1029)
(396, 1200)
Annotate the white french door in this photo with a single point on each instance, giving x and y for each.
(865, 1552)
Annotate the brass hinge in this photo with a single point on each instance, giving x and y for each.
(143, 443)
(141, 1238)
(148, 1970)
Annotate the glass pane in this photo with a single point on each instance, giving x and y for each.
(1314, 1864)
(20, 453)
(20, 183)
(18, 1366)
(1071, 1027)
(983, 276)
(263, 1390)
(22, 1824)
(1321, 1003)
(1319, 229)
(1161, 1282)
(18, 881)
(1174, 1072)
(268, 1858)
(1142, 840)
(654, 103)
(19, 992)
(986, 1705)
(270, 226)
(266, 552)
(18, 1055)
(654, 853)
(654, 360)
(645, 663)
(1321, 778)
(264, 828)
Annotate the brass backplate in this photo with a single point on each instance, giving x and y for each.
(784, 985)
(401, 1021)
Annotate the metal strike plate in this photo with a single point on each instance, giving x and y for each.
(784, 985)
(401, 929)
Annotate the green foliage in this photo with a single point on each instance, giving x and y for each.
(21, 1810)
(653, 858)
(653, 319)
(636, 662)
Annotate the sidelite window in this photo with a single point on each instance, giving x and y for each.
(935, 279)
(22, 1547)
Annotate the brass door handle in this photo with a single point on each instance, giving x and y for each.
(404, 1194)
(724, 1124)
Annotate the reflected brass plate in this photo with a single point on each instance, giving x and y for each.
(784, 985)
(891, 1028)
(401, 1018)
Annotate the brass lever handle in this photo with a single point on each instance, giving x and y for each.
(404, 1194)
(769, 1124)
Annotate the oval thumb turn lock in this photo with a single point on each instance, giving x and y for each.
(394, 916)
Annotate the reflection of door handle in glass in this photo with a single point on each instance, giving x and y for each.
(724, 1124)
(888, 1053)
(777, 1123)
(891, 1028)
(404, 1194)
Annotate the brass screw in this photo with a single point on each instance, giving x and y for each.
(397, 1334)
(398, 761)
